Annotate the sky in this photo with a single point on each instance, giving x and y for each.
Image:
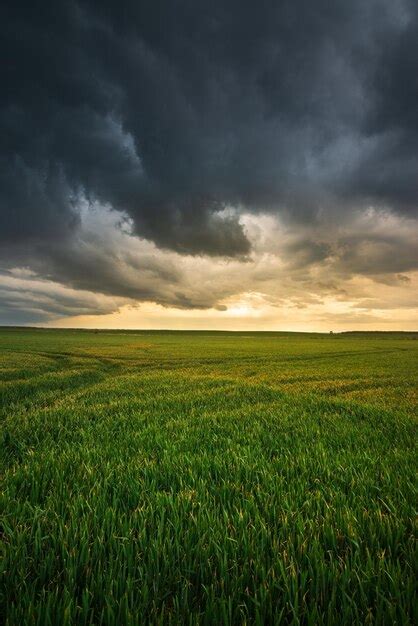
(209, 165)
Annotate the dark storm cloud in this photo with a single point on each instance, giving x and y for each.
(171, 111)
(283, 135)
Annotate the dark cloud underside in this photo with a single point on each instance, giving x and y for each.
(172, 110)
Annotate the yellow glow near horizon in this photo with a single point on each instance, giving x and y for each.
(332, 315)
(277, 287)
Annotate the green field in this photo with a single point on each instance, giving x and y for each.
(208, 478)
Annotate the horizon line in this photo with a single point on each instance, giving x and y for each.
(202, 330)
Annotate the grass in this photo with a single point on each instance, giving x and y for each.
(208, 478)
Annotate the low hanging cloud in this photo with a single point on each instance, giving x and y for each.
(106, 268)
(26, 299)
(184, 152)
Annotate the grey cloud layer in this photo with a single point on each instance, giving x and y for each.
(182, 117)
(171, 110)
(288, 265)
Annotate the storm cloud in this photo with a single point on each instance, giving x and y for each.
(175, 124)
